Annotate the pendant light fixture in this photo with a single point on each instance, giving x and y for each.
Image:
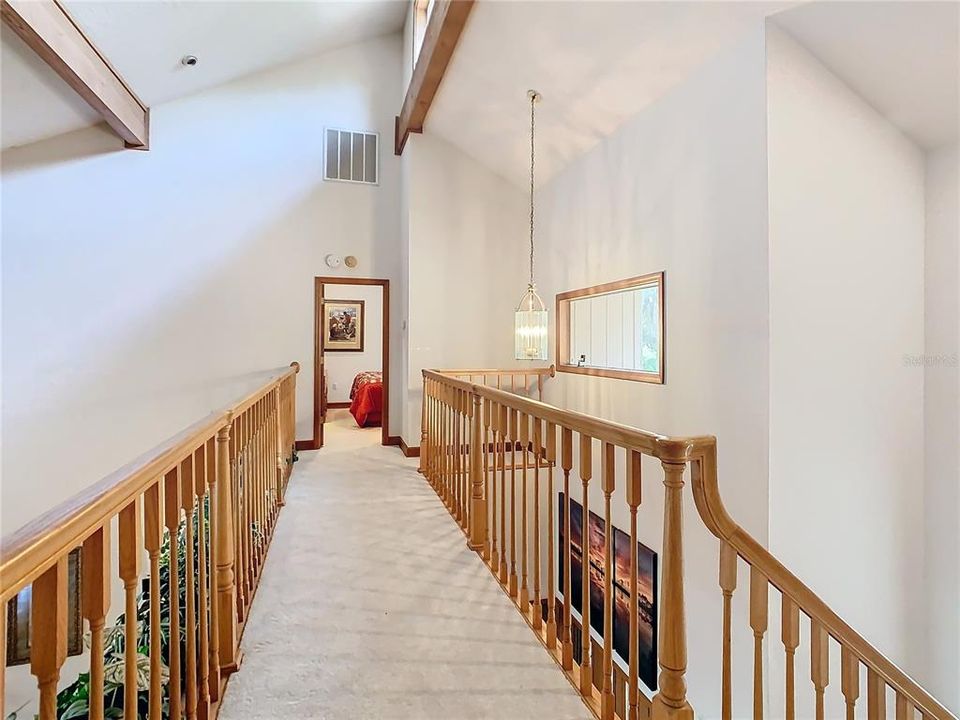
(530, 318)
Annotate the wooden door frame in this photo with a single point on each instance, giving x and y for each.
(316, 442)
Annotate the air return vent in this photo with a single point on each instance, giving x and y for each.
(352, 156)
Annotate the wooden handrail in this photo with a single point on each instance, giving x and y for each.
(214, 489)
(463, 466)
(706, 493)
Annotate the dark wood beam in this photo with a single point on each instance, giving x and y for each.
(52, 34)
(443, 32)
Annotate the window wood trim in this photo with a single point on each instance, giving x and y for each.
(563, 329)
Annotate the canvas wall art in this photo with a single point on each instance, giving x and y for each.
(18, 617)
(343, 325)
(646, 585)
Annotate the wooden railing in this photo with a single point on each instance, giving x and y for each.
(202, 508)
(473, 436)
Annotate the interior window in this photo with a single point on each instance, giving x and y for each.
(613, 330)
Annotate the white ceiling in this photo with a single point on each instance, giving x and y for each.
(598, 63)
(595, 63)
(901, 57)
(145, 39)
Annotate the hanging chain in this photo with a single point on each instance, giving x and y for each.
(533, 101)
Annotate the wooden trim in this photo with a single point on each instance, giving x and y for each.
(316, 442)
(407, 450)
(47, 28)
(393, 440)
(563, 325)
(339, 405)
(447, 20)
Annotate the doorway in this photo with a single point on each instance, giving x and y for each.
(351, 373)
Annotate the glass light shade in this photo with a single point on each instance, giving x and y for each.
(530, 327)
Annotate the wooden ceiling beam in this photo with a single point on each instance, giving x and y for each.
(52, 34)
(440, 40)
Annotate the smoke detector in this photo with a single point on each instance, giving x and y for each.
(333, 261)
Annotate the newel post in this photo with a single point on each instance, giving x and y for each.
(225, 554)
(670, 703)
(478, 503)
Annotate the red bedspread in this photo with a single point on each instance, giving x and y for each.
(367, 399)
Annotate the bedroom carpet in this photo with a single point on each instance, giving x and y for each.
(371, 606)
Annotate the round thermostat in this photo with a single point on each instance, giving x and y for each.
(350, 261)
(333, 261)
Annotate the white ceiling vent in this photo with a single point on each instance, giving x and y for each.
(352, 156)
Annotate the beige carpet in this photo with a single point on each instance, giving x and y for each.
(371, 606)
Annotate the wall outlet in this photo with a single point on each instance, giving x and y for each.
(333, 386)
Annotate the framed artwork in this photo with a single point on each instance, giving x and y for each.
(18, 617)
(646, 584)
(343, 325)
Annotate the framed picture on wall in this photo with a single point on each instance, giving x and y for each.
(343, 325)
(18, 617)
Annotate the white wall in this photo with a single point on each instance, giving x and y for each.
(143, 289)
(941, 398)
(139, 286)
(681, 187)
(846, 309)
(342, 367)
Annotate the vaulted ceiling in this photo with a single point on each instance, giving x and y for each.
(145, 40)
(598, 63)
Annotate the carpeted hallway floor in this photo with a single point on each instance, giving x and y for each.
(371, 606)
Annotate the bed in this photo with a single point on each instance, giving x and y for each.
(366, 399)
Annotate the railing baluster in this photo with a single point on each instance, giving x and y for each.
(503, 432)
(153, 540)
(758, 623)
(490, 416)
(48, 642)
(819, 663)
(849, 680)
(790, 635)
(586, 472)
(465, 457)
(524, 433)
(457, 440)
(905, 708)
(634, 492)
(608, 471)
(535, 607)
(213, 481)
(95, 587)
(489, 548)
(187, 498)
(551, 455)
(566, 639)
(876, 696)
(203, 657)
(728, 584)
(171, 507)
(513, 435)
(131, 544)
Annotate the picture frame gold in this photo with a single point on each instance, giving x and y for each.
(343, 325)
